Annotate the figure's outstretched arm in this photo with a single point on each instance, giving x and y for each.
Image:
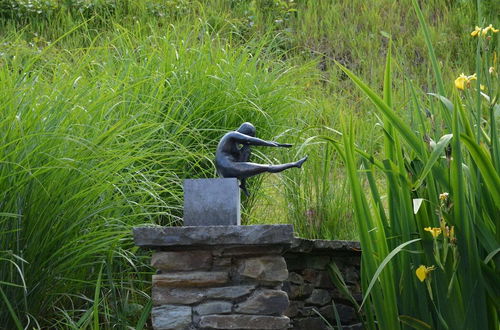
(246, 139)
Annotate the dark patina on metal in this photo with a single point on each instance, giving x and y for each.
(232, 161)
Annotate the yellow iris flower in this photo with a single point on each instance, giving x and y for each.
(422, 272)
(482, 32)
(491, 28)
(463, 81)
(476, 31)
(434, 231)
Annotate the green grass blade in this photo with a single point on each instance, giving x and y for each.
(491, 255)
(388, 77)
(397, 122)
(472, 290)
(11, 310)
(382, 265)
(141, 323)
(97, 300)
(485, 165)
(414, 323)
(328, 325)
(433, 158)
(338, 281)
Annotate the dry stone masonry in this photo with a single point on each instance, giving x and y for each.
(309, 286)
(218, 277)
(247, 277)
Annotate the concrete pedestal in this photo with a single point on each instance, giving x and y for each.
(212, 202)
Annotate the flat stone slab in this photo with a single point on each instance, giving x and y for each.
(182, 260)
(169, 295)
(265, 268)
(264, 302)
(214, 307)
(195, 236)
(321, 246)
(191, 279)
(211, 202)
(171, 317)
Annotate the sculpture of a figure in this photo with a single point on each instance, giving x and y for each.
(232, 161)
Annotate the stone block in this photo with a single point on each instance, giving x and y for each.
(347, 314)
(293, 308)
(310, 275)
(319, 278)
(212, 202)
(171, 317)
(328, 313)
(188, 296)
(294, 262)
(191, 279)
(318, 262)
(310, 323)
(182, 260)
(229, 292)
(213, 307)
(299, 291)
(221, 262)
(248, 251)
(295, 278)
(308, 311)
(267, 268)
(319, 297)
(239, 321)
(299, 262)
(184, 296)
(176, 237)
(350, 274)
(264, 302)
(326, 247)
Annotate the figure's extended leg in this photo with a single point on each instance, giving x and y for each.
(246, 170)
(282, 167)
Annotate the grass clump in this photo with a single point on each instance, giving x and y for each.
(98, 139)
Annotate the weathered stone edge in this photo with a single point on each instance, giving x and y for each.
(303, 245)
(156, 236)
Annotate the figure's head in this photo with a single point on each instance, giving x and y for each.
(247, 129)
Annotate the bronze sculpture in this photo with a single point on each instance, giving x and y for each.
(232, 161)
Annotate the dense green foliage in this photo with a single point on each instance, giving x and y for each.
(438, 235)
(105, 106)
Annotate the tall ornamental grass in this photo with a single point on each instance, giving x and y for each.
(95, 140)
(430, 235)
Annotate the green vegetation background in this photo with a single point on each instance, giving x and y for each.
(105, 106)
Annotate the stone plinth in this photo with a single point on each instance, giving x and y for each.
(211, 202)
(248, 277)
(218, 277)
(231, 237)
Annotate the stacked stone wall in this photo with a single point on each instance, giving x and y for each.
(248, 277)
(206, 280)
(310, 289)
(219, 288)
